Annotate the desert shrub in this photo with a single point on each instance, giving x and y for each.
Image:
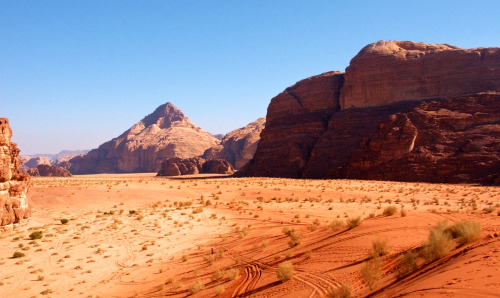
(131, 212)
(372, 272)
(285, 271)
(344, 291)
(406, 263)
(218, 274)
(336, 225)
(36, 235)
(379, 248)
(438, 244)
(354, 222)
(464, 231)
(295, 238)
(196, 287)
(64, 221)
(232, 273)
(489, 209)
(219, 289)
(18, 255)
(390, 210)
(403, 212)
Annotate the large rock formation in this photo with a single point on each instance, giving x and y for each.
(45, 170)
(165, 133)
(194, 166)
(238, 146)
(389, 71)
(445, 130)
(13, 182)
(34, 162)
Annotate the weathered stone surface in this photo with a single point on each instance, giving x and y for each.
(13, 182)
(447, 131)
(238, 146)
(388, 71)
(45, 170)
(165, 133)
(193, 166)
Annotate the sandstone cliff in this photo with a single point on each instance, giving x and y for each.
(238, 146)
(194, 166)
(13, 182)
(402, 111)
(165, 133)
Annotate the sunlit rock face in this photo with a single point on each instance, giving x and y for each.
(13, 182)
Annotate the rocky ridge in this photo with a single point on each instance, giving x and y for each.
(239, 145)
(402, 111)
(13, 182)
(45, 170)
(194, 166)
(166, 133)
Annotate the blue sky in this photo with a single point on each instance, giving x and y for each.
(74, 74)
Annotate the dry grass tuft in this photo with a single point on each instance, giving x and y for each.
(285, 271)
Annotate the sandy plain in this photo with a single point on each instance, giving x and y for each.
(137, 235)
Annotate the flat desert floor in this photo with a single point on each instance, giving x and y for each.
(145, 236)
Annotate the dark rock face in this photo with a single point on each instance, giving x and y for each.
(13, 182)
(163, 134)
(49, 171)
(370, 133)
(193, 166)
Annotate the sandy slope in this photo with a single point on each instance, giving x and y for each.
(138, 235)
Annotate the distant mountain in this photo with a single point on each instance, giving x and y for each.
(55, 157)
(163, 134)
(239, 145)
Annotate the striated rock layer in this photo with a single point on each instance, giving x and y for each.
(13, 182)
(238, 146)
(447, 130)
(165, 133)
(194, 166)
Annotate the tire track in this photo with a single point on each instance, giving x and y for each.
(253, 272)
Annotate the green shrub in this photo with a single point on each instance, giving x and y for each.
(354, 222)
(390, 210)
(18, 255)
(285, 271)
(36, 235)
(344, 291)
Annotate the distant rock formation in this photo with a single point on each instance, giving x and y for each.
(238, 146)
(13, 182)
(402, 111)
(45, 170)
(166, 133)
(194, 166)
(34, 162)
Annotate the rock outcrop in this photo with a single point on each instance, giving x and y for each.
(166, 133)
(194, 166)
(45, 170)
(13, 182)
(238, 146)
(34, 162)
(374, 122)
(389, 71)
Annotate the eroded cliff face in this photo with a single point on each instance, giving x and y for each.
(193, 166)
(403, 111)
(13, 182)
(165, 133)
(238, 146)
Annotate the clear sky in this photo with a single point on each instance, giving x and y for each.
(74, 74)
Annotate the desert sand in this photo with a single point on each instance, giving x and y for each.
(137, 235)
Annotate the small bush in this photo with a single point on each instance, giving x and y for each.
(406, 263)
(354, 222)
(344, 291)
(18, 255)
(285, 271)
(196, 287)
(295, 238)
(438, 244)
(232, 273)
(372, 272)
(64, 221)
(379, 248)
(403, 212)
(464, 231)
(390, 210)
(36, 235)
(219, 289)
(336, 225)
